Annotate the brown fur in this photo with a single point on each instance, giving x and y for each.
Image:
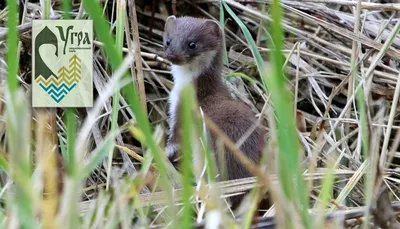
(234, 118)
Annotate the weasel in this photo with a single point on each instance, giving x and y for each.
(194, 47)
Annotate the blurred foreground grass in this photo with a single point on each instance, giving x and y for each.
(152, 193)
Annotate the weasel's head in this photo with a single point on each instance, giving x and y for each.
(191, 41)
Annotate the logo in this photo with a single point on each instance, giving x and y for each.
(62, 54)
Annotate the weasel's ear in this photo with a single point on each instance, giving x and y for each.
(214, 27)
(170, 22)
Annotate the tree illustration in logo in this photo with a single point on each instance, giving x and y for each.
(56, 86)
(75, 68)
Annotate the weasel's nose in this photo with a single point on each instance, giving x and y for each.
(173, 57)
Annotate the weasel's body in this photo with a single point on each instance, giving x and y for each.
(195, 46)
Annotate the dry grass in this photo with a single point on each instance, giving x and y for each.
(332, 49)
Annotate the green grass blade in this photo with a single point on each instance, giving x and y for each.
(99, 154)
(287, 133)
(325, 196)
(66, 6)
(46, 10)
(63, 148)
(71, 136)
(253, 47)
(18, 138)
(187, 128)
(211, 168)
(102, 31)
(12, 43)
(115, 105)
(241, 75)
(364, 130)
(274, 80)
(3, 164)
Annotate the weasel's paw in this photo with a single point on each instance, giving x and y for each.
(171, 150)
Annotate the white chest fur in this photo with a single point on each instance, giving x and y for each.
(183, 75)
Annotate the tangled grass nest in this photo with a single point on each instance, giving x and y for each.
(323, 40)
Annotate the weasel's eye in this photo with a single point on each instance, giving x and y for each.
(192, 45)
(168, 42)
